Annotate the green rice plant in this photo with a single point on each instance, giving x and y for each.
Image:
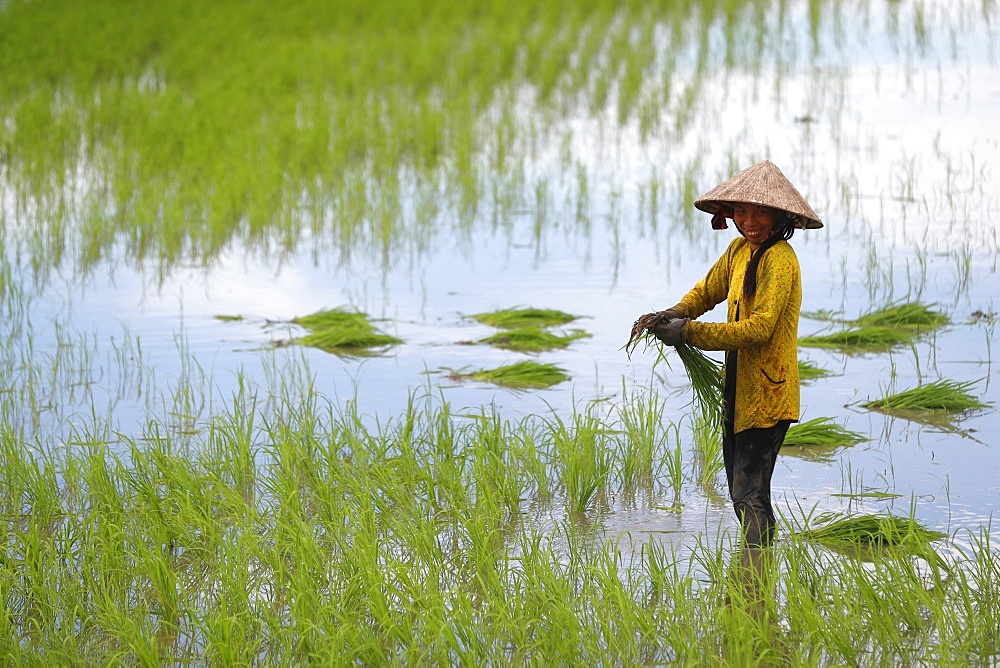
(517, 318)
(520, 375)
(342, 331)
(708, 449)
(940, 396)
(532, 339)
(642, 421)
(707, 381)
(581, 450)
(862, 339)
(705, 373)
(821, 431)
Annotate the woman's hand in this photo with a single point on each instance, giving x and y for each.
(672, 332)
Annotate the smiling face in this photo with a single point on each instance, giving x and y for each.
(755, 222)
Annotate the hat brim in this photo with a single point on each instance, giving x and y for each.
(762, 184)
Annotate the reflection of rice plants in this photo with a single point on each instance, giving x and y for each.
(524, 317)
(342, 331)
(520, 375)
(532, 339)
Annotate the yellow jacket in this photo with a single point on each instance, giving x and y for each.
(766, 334)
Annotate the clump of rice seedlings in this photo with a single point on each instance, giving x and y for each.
(907, 315)
(517, 318)
(811, 371)
(844, 532)
(705, 373)
(532, 339)
(866, 339)
(520, 375)
(707, 380)
(342, 331)
(821, 431)
(880, 329)
(708, 450)
(940, 396)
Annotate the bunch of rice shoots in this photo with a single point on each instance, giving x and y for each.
(532, 339)
(521, 375)
(867, 338)
(342, 331)
(948, 396)
(907, 315)
(705, 373)
(524, 317)
(843, 532)
(811, 371)
(821, 431)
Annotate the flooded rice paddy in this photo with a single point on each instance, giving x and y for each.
(149, 277)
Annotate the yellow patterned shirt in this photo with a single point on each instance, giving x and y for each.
(766, 334)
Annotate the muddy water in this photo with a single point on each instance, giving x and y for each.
(890, 133)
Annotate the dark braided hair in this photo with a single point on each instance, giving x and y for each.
(783, 230)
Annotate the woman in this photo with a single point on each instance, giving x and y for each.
(759, 276)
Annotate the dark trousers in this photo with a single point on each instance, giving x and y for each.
(749, 457)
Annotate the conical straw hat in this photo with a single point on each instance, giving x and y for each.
(762, 184)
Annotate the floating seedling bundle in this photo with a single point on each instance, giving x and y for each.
(704, 372)
(341, 331)
(868, 531)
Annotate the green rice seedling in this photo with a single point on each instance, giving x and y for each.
(343, 331)
(705, 373)
(532, 339)
(940, 396)
(811, 371)
(707, 449)
(707, 381)
(906, 315)
(526, 375)
(642, 421)
(860, 339)
(582, 452)
(517, 318)
(843, 532)
(821, 431)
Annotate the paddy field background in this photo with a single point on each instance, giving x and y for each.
(185, 480)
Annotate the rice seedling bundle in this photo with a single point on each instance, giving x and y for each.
(942, 395)
(517, 318)
(821, 431)
(532, 339)
(872, 531)
(705, 373)
(909, 315)
(341, 330)
(863, 338)
(522, 375)
(810, 371)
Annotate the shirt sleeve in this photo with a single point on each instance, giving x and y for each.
(709, 291)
